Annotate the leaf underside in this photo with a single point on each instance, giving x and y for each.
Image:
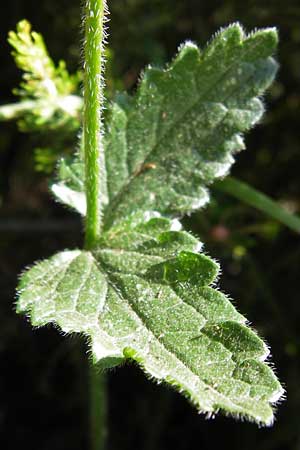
(146, 292)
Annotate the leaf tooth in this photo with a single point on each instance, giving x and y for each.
(264, 384)
(238, 339)
(187, 267)
(187, 58)
(261, 43)
(231, 35)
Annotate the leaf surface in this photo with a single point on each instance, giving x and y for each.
(146, 293)
(181, 130)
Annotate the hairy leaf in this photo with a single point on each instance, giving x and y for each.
(70, 190)
(145, 293)
(182, 128)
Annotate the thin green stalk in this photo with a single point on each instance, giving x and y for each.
(92, 123)
(98, 408)
(258, 200)
(94, 176)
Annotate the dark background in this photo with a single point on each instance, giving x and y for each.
(43, 376)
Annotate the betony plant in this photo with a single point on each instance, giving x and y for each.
(142, 289)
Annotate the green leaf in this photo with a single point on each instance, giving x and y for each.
(181, 130)
(70, 189)
(147, 294)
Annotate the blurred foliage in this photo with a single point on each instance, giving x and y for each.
(46, 100)
(48, 96)
(50, 101)
(41, 77)
(260, 258)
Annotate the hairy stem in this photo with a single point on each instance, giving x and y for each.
(92, 124)
(98, 409)
(95, 181)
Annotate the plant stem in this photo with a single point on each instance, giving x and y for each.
(95, 182)
(98, 408)
(258, 200)
(92, 123)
